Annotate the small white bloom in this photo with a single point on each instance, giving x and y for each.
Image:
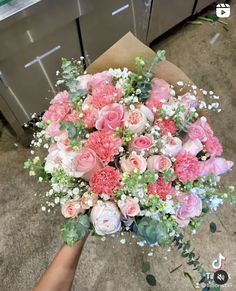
(150, 254)
(75, 191)
(123, 241)
(180, 83)
(43, 208)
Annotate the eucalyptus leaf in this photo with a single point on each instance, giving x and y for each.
(145, 267)
(75, 229)
(213, 227)
(151, 280)
(187, 275)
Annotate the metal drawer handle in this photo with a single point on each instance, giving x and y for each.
(39, 58)
(120, 9)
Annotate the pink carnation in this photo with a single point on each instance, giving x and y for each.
(167, 126)
(104, 144)
(154, 104)
(90, 116)
(213, 146)
(56, 112)
(161, 189)
(105, 95)
(72, 116)
(61, 98)
(105, 181)
(187, 167)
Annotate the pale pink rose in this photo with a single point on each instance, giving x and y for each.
(191, 207)
(160, 90)
(200, 129)
(134, 161)
(53, 130)
(172, 146)
(110, 117)
(84, 81)
(106, 218)
(193, 146)
(61, 98)
(72, 209)
(130, 208)
(136, 121)
(217, 166)
(100, 79)
(54, 160)
(82, 164)
(147, 112)
(141, 143)
(158, 163)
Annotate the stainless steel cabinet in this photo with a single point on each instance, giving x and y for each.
(201, 4)
(166, 14)
(33, 42)
(107, 21)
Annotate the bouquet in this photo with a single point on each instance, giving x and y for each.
(126, 150)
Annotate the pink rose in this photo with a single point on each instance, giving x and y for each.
(130, 208)
(106, 218)
(110, 117)
(187, 167)
(72, 209)
(158, 163)
(200, 129)
(217, 166)
(98, 79)
(136, 121)
(53, 130)
(193, 146)
(213, 146)
(73, 116)
(84, 80)
(82, 164)
(172, 146)
(142, 142)
(134, 161)
(160, 90)
(191, 207)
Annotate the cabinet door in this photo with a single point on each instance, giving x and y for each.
(201, 4)
(105, 25)
(28, 77)
(166, 14)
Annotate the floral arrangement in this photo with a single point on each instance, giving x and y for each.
(125, 152)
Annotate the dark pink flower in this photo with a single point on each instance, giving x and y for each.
(167, 126)
(105, 145)
(187, 167)
(105, 181)
(161, 189)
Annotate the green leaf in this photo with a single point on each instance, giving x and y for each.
(71, 129)
(213, 227)
(151, 280)
(145, 267)
(75, 229)
(187, 275)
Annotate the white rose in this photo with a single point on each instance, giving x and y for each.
(106, 218)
